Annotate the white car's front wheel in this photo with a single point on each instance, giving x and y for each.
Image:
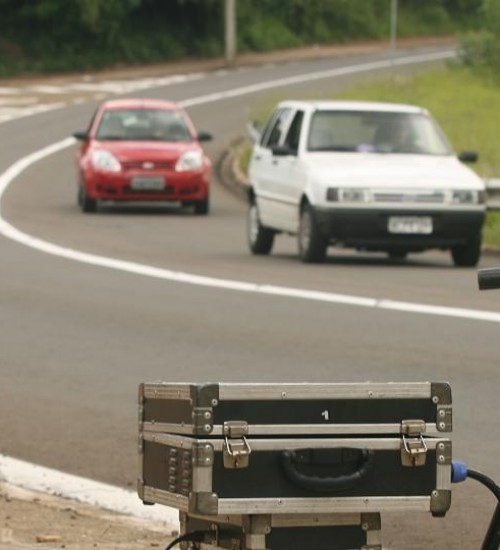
(312, 244)
(260, 238)
(467, 255)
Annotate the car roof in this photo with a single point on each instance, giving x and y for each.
(144, 103)
(341, 105)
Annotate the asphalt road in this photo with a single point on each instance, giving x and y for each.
(77, 339)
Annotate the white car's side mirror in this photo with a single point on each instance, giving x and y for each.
(254, 131)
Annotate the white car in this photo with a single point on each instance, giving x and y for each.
(363, 175)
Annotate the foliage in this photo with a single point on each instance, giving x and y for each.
(60, 35)
(481, 49)
(260, 31)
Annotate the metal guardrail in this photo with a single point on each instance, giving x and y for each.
(492, 193)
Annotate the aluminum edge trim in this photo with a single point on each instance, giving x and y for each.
(320, 443)
(443, 477)
(160, 496)
(165, 427)
(304, 520)
(306, 391)
(171, 440)
(325, 429)
(324, 505)
(167, 391)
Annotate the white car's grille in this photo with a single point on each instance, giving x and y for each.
(433, 197)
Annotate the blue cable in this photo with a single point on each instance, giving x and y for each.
(458, 471)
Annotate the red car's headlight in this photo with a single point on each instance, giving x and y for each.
(191, 160)
(104, 160)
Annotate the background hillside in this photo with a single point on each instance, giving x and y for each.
(40, 36)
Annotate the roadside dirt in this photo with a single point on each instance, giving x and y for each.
(33, 520)
(243, 60)
(29, 94)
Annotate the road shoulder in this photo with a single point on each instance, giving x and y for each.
(34, 520)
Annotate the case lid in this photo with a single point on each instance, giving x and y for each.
(216, 409)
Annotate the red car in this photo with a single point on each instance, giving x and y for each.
(142, 150)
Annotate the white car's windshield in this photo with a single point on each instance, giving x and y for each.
(143, 125)
(377, 132)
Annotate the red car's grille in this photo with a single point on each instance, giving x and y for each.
(166, 191)
(147, 165)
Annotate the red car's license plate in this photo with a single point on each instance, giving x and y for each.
(147, 183)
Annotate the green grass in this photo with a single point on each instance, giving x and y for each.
(466, 105)
(245, 158)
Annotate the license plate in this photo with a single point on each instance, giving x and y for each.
(147, 183)
(410, 225)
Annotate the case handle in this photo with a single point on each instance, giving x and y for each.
(360, 459)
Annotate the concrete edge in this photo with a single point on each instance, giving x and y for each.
(53, 488)
(242, 60)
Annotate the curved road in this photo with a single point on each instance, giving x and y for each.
(77, 338)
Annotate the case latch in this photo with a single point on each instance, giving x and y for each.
(236, 451)
(413, 447)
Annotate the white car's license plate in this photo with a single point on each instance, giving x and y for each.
(147, 183)
(410, 225)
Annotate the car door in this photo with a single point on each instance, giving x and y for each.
(291, 173)
(265, 173)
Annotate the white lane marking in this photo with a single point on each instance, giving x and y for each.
(13, 101)
(7, 90)
(319, 75)
(121, 86)
(44, 89)
(11, 232)
(117, 87)
(108, 497)
(15, 113)
(99, 92)
(228, 284)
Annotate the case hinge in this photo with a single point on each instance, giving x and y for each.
(236, 450)
(413, 447)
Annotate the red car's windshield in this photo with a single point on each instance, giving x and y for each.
(143, 125)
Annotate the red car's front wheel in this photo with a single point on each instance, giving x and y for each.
(86, 203)
(201, 208)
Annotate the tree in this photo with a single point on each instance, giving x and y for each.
(492, 19)
(105, 15)
(482, 49)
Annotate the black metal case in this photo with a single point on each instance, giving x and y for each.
(282, 532)
(294, 409)
(216, 449)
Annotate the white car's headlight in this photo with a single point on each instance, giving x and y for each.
(104, 160)
(191, 160)
(466, 196)
(348, 194)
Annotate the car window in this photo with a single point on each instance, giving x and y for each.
(143, 125)
(275, 131)
(269, 124)
(377, 132)
(293, 135)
